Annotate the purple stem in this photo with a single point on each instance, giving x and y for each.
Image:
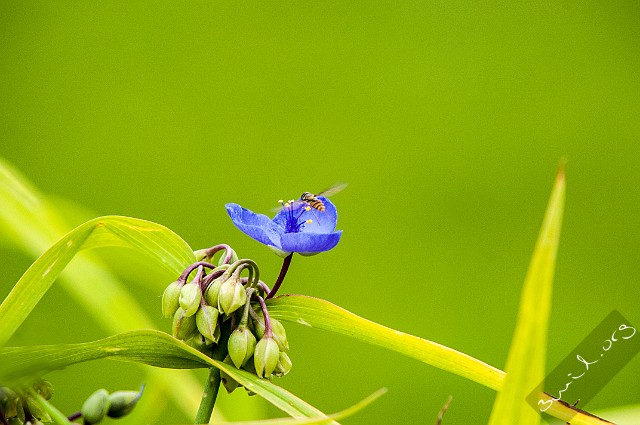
(74, 416)
(209, 252)
(267, 320)
(211, 277)
(264, 287)
(283, 273)
(188, 270)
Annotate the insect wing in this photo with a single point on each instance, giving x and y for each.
(338, 187)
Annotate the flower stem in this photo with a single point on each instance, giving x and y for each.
(212, 385)
(283, 273)
(267, 320)
(208, 397)
(72, 417)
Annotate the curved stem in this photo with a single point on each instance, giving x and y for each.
(267, 320)
(185, 274)
(244, 263)
(283, 273)
(210, 252)
(247, 307)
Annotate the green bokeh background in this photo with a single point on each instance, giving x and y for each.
(446, 118)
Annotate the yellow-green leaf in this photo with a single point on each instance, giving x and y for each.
(321, 314)
(317, 420)
(151, 239)
(526, 361)
(151, 347)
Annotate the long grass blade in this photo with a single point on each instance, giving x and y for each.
(322, 314)
(20, 364)
(526, 361)
(151, 239)
(32, 224)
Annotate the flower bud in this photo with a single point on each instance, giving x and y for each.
(232, 295)
(190, 296)
(284, 365)
(37, 410)
(207, 321)
(241, 345)
(96, 407)
(211, 294)
(250, 367)
(229, 383)
(183, 326)
(170, 299)
(277, 328)
(200, 343)
(123, 402)
(266, 357)
(10, 403)
(43, 388)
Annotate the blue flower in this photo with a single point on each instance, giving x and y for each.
(295, 228)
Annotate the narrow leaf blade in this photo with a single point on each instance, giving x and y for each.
(322, 314)
(526, 361)
(144, 346)
(30, 222)
(317, 420)
(151, 239)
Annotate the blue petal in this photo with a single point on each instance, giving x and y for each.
(258, 226)
(309, 243)
(321, 222)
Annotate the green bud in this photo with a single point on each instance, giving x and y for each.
(200, 343)
(16, 421)
(183, 326)
(250, 367)
(211, 294)
(266, 357)
(37, 410)
(10, 402)
(284, 365)
(207, 321)
(277, 328)
(190, 296)
(96, 407)
(43, 388)
(123, 402)
(241, 345)
(170, 299)
(232, 295)
(229, 383)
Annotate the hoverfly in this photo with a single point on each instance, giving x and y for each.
(315, 203)
(312, 200)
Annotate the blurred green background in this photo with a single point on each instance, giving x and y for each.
(446, 118)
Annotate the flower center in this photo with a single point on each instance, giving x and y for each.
(293, 223)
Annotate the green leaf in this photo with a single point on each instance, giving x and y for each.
(317, 420)
(154, 348)
(31, 223)
(526, 361)
(151, 239)
(321, 314)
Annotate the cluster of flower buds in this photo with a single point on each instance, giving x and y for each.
(220, 311)
(20, 406)
(101, 404)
